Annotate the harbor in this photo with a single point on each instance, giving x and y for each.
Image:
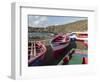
(60, 49)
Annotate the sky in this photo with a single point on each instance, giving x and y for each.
(44, 21)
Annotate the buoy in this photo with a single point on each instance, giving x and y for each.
(85, 60)
(65, 60)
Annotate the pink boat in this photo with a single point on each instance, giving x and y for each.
(83, 37)
(59, 43)
(36, 51)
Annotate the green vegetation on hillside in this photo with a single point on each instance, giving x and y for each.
(81, 25)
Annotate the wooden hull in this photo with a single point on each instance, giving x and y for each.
(57, 53)
(59, 46)
(36, 60)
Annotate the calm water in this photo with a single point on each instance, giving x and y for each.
(40, 34)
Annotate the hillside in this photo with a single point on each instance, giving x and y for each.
(81, 25)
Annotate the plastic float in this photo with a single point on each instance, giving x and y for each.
(36, 53)
(85, 60)
(65, 60)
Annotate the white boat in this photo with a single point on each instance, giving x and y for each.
(81, 37)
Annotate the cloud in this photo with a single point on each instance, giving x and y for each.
(37, 21)
(44, 18)
(56, 24)
(36, 17)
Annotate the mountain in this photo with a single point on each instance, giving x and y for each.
(81, 25)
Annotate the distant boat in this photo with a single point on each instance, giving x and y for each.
(59, 43)
(36, 52)
(81, 37)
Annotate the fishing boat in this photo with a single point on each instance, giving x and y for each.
(81, 37)
(36, 53)
(59, 44)
(81, 55)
